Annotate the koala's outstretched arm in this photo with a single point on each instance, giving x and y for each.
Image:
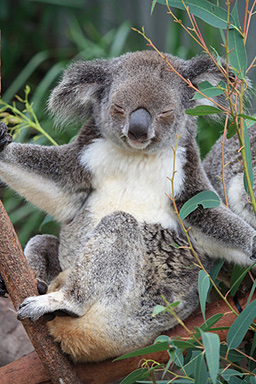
(49, 177)
(220, 232)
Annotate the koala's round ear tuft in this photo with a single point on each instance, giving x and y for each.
(203, 68)
(79, 89)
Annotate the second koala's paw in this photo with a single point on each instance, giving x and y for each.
(5, 137)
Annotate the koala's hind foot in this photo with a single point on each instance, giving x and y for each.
(42, 255)
(5, 137)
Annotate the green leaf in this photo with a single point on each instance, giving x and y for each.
(211, 344)
(240, 326)
(183, 344)
(176, 357)
(208, 199)
(248, 156)
(190, 367)
(211, 322)
(247, 117)
(226, 374)
(205, 10)
(158, 309)
(201, 375)
(233, 356)
(251, 293)
(158, 347)
(208, 90)
(237, 276)
(135, 375)
(203, 289)
(203, 110)
(153, 6)
(231, 130)
(237, 56)
(218, 264)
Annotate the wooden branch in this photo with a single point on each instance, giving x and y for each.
(29, 369)
(21, 283)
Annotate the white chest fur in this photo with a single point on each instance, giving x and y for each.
(133, 182)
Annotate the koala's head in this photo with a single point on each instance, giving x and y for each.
(135, 100)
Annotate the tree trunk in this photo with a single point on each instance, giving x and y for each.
(21, 283)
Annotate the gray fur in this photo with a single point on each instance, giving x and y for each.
(233, 175)
(116, 251)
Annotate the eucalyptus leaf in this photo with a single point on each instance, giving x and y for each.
(238, 274)
(231, 130)
(183, 344)
(162, 346)
(201, 374)
(237, 55)
(208, 12)
(240, 326)
(208, 199)
(253, 118)
(211, 322)
(227, 373)
(248, 156)
(211, 344)
(203, 289)
(135, 375)
(203, 110)
(208, 90)
(158, 309)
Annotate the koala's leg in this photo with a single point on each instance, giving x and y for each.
(106, 270)
(42, 255)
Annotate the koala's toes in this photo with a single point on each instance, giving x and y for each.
(5, 137)
(32, 308)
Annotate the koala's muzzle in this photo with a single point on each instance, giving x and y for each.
(139, 125)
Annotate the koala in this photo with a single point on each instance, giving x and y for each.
(233, 175)
(121, 247)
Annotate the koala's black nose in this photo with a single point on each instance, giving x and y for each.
(139, 125)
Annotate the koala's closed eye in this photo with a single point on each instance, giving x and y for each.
(117, 110)
(167, 112)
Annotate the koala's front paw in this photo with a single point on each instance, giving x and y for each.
(5, 137)
(33, 308)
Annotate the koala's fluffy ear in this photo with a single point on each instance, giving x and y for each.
(202, 68)
(80, 89)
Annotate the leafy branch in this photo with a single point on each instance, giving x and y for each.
(19, 120)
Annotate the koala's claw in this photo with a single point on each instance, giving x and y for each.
(5, 137)
(41, 287)
(37, 306)
(3, 289)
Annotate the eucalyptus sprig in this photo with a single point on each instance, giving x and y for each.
(19, 120)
